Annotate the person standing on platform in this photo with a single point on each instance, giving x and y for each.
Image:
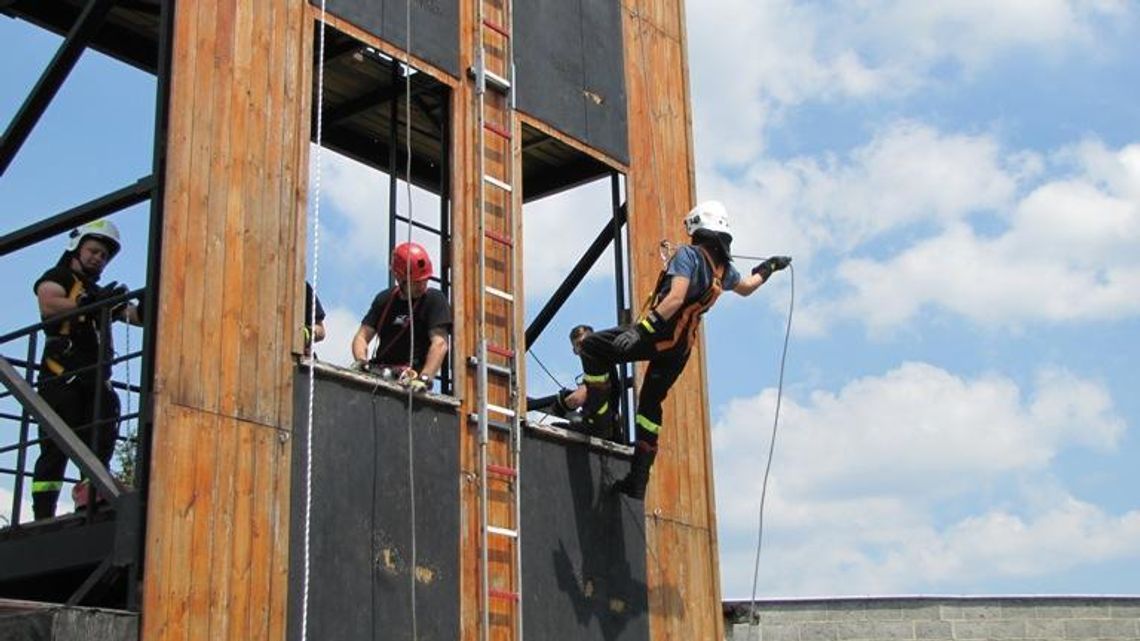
(388, 319)
(688, 287)
(75, 371)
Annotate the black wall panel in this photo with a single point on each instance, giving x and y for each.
(570, 69)
(583, 548)
(361, 515)
(584, 556)
(435, 25)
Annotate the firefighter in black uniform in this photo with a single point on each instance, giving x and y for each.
(567, 401)
(70, 380)
(688, 286)
(388, 319)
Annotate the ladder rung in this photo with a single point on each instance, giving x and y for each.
(505, 595)
(500, 351)
(502, 470)
(499, 409)
(498, 183)
(495, 425)
(496, 82)
(498, 293)
(497, 28)
(497, 130)
(491, 367)
(499, 238)
(502, 531)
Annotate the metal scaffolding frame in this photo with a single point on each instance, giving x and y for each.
(117, 545)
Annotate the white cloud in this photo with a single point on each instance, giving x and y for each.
(909, 173)
(758, 59)
(900, 215)
(341, 324)
(869, 483)
(354, 214)
(558, 229)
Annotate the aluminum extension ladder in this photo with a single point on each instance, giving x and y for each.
(497, 362)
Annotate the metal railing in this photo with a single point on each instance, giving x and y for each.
(21, 408)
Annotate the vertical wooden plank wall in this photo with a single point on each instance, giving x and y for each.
(465, 304)
(236, 181)
(683, 575)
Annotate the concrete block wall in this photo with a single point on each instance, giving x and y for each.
(1046, 618)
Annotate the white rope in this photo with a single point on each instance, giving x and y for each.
(312, 314)
(411, 308)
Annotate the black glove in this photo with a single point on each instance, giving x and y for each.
(627, 339)
(106, 292)
(111, 290)
(645, 329)
(561, 408)
(773, 264)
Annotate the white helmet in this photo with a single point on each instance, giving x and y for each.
(710, 215)
(102, 229)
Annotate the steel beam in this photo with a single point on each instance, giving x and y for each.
(85, 213)
(574, 278)
(52, 79)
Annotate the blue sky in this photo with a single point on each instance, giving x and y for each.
(959, 183)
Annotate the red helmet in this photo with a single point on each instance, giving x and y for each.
(411, 258)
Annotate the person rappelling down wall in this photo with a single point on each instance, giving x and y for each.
(687, 287)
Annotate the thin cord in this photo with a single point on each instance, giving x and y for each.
(540, 364)
(411, 309)
(313, 315)
(131, 443)
(771, 451)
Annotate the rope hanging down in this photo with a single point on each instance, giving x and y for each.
(312, 312)
(411, 320)
(752, 623)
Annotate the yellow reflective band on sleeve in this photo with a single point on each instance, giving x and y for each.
(46, 486)
(648, 326)
(649, 425)
(53, 366)
(603, 409)
(595, 378)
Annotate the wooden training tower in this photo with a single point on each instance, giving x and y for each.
(236, 187)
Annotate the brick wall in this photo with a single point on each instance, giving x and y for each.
(936, 619)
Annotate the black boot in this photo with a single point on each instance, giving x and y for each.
(43, 505)
(633, 485)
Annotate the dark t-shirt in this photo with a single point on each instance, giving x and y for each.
(73, 342)
(309, 306)
(431, 311)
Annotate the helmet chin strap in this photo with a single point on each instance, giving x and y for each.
(83, 271)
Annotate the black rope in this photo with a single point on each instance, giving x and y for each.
(548, 373)
(771, 450)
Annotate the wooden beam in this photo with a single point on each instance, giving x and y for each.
(236, 180)
(680, 510)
